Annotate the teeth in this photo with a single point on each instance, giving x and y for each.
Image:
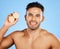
(33, 23)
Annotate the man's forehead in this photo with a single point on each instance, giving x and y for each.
(34, 10)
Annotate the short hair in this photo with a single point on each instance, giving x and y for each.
(35, 4)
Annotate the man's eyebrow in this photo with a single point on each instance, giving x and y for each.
(30, 13)
(38, 14)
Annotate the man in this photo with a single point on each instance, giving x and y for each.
(33, 37)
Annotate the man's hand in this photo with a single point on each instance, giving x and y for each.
(11, 19)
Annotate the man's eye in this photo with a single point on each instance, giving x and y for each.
(37, 15)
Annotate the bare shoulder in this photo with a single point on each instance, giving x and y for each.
(16, 34)
(50, 36)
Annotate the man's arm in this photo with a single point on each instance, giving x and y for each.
(7, 41)
(7, 24)
(2, 32)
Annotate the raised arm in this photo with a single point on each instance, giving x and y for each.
(11, 20)
(6, 42)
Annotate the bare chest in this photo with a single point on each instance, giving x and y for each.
(24, 43)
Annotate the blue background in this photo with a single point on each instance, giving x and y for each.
(52, 15)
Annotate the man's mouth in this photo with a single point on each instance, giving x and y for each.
(33, 23)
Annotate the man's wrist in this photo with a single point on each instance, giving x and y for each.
(5, 26)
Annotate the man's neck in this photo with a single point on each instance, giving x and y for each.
(33, 34)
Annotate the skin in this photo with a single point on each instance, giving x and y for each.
(33, 37)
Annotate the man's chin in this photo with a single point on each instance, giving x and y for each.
(33, 28)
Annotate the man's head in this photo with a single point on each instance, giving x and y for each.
(34, 15)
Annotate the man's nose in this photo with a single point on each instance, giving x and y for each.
(33, 18)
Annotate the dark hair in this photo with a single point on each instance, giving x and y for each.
(35, 4)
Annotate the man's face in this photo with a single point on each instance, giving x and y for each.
(33, 17)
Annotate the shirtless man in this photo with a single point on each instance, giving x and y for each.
(32, 37)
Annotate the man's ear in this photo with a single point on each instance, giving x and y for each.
(42, 18)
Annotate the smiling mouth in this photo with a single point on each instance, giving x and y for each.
(33, 23)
